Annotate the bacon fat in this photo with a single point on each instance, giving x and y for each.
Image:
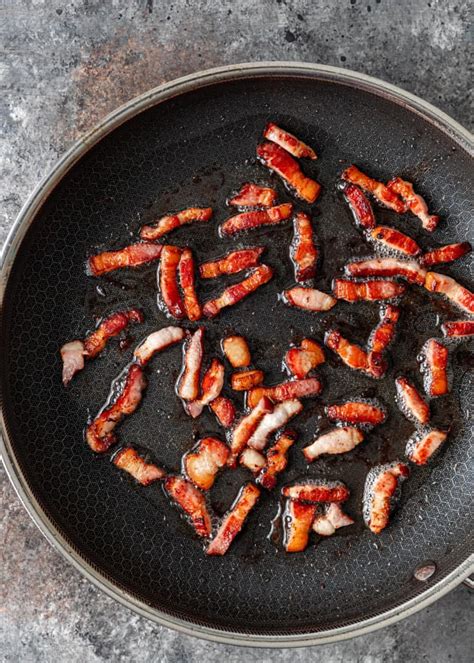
(300, 361)
(211, 387)
(336, 441)
(246, 428)
(245, 380)
(72, 356)
(288, 142)
(253, 460)
(282, 163)
(282, 413)
(130, 461)
(333, 517)
(204, 462)
(308, 299)
(168, 223)
(156, 342)
(188, 382)
(237, 351)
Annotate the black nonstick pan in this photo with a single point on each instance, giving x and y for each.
(193, 142)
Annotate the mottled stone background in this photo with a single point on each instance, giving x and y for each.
(64, 65)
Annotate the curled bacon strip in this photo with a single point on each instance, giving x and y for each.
(262, 217)
(156, 342)
(383, 194)
(111, 326)
(272, 421)
(211, 385)
(234, 520)
(336, 441)
(192, 502)
(317, 491)
(130, 461)
(204, 462)
(72, 355)
(411, 402)
(424, 444)
(451, 289)
(446, 253)
(168, 280)
(297, 520)
(246, 428)
(130, 256)
(188, 285)
(357, 412)
(277, 159)
(371, 291)
(351, 354)
(288, 142)
(237, 351)
(253, 460)
(381, 488)
(458, 328)
(232, 263)
(395, 240)
(308, 299)
(303, 251)
(224, 410)
(285, 391)
(415, 202)
(168, 223)
(245, 380)
(188, 382)
(405, 269)
(333, 517)
(235, 293)
(435, 368)
(359, 205)
(277, 460)
(300, 361)
(380, 339)
(254, 195)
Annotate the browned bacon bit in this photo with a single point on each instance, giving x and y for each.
(371, 291)
(253, 460)
(272, 421)
(435, 368)
(351, 354)
(383, 194)
(211, 386)
(381, 488)
(192, 502)
(72, 355)
(234, 520)
(288, 142)
(232, 263)
(285, 391)
(156, 342)
(188, 285)
(411, 402)
(168, 223)
(277, 159)
(188, 382)
(130, 461)
(245, 380)
(237, 351)
(451, 289)
(446, 253)
(277, 460)
(359, 205)
(423, 445)
(297, 520)
(130, 256)
(235, 293)
(300, 361)
(380, 339)
(111, 326)
(314, 492)
(336, 441)
(204, 462)
(333, 517)
(415, 202)
(168, 280)
(262, 217)
(458, 328)
(395, 240)
(357, 412)
(224, 410)
(246, 427)
(392, 267)
(303, 251)
(254, 195)
(125, 395)
(308, 299)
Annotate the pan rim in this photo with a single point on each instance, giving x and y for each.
(13, 241)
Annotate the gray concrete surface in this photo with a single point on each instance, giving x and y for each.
(63, 66)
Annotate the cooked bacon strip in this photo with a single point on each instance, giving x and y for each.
(285, 391)
(235, 293)
(351, 354)
(371, 291)
(380, 339)
(446, 253)
(211, 387)
(435, 368)
(232, 263)
(237, 351)
(204, 462)
(246, 428)
(308, 299)
(156, 342)
(130, 256)
(108, 328)
(188, 381)
(253, 460)
(458, 328)
(277, 159)
(187, 279)
(303, 251)
(317, 491)
(168, 281)
(271, 422)
(411, 402)
(125, 395)
(245, 380)
(336, 441)
(357, 412)
(451, 289)
(168, 223)
(359, 205)
(333, 517)
(130, 461)
(255, 219)
(297, 520)
(404, 269)
(380, 491)
(254, 195)
(234, 520)
(422, 445)
(277, 460)
(288, 142)
(395, 240)
(300, 361)
(415, 202)
(192, 502)
(224, 410)
(72, 355)
(383, 194)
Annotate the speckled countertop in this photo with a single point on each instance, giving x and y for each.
(64, 66)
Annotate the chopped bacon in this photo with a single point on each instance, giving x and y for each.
(168, 223)
(285, 391)
(357, 412)
(188, 285)
(245, 380)
(255, 219)
(308, 299)
(224, 410)
(371, 291)
(235, 293)
(288, 142)
(435, 368)
(204, 462)
(446, 253)
(380, 339)
(156, 342)
(277, 460)
(192, 502)
(237, 351)
(297, 520)
(451, 289)
(168, 280)
(253, 195)
(381, 488)
(108, 328)
(411, 402)
(351, 354)
(333, 517)
(246, 428)
(380, 192)
(253, 460)
(277, 159)
(397, 267)
(130, 461)
(317, 491)
(303, 251)
(72, 355)
(300, 361)
(458, 328)
(336, 441)
(395, 240)
(130, 256)
(359, 205)
(424, 444)
(188, 382)
(234, 520)
(415, 202)
(272, 421)
(125, 395)
(232, 263)
(211, 387)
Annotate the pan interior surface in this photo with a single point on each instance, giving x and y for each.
(194, 150)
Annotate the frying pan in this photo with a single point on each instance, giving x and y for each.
(193, 141)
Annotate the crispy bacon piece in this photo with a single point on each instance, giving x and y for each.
(253, 460)
(371, 291)
(130, 256)
(235, 293)
(380, 192)
(234, 520)
(458, 328)
(224, 410)
(446, 253)
(395, 240)
(380, 339)
(204, 462)
(125, 395)
(332, 518)
(297, 520)
(211, 387)
(188, 381)
(380, 492)
(451, 289)
(336, 441)
(108, 328)
(72, 355)
(351, 354)
(246, 428)
(168, 280)
(411, 402)
(288, 142)
(285, 391)
(245, 380)
(277, 460)
(397, 267)
(277, 159)
(168, 223)
(188, 285)
(424, 444)
(130, 461)
(254, 195)
(359, 205)
(272, 421)
(308, 299)
(156, 342)
(435, 368)
(232, 263)
(300, 361)
(303, 251)
(415, 202)
(237, 351)
(317, 491)
(192, 502)
(255, 219)
(357, 412)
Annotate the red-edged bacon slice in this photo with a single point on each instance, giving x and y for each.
(108, 328)
(255, 219)
(234, 520)
(422, 445)
(370, 291)
(232, 263)
(280, 162)
(415, 202)
(272, 421)
(359, 205)
(204, 462)
(447, 253)
(211, 387)
(303, 251)
(192, 502)
(379, 191)
(297, 520)
(317, 491)
(308, 299)
(300, 361)
(125, 395)
(277, 460)
(357, 412)
(451, 289)
(380, 493)
(72, 355)
(130, 256)
(380, 339)
(235, 293)
(168, 223)
(288, 142)
(285, 391)
(393, 239)
(224, 410)
(245, 380)
(458, 328)
(411, 403)
(237, 351)
(336, 441)
(254, 195)
(333, 517)
(168, 281)
(435, 368)
(187, 279)
(253, 460)
(391, 267)
(351, 354)
(188, 382)
(130, 461)
(246, 428)
(156, 342)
